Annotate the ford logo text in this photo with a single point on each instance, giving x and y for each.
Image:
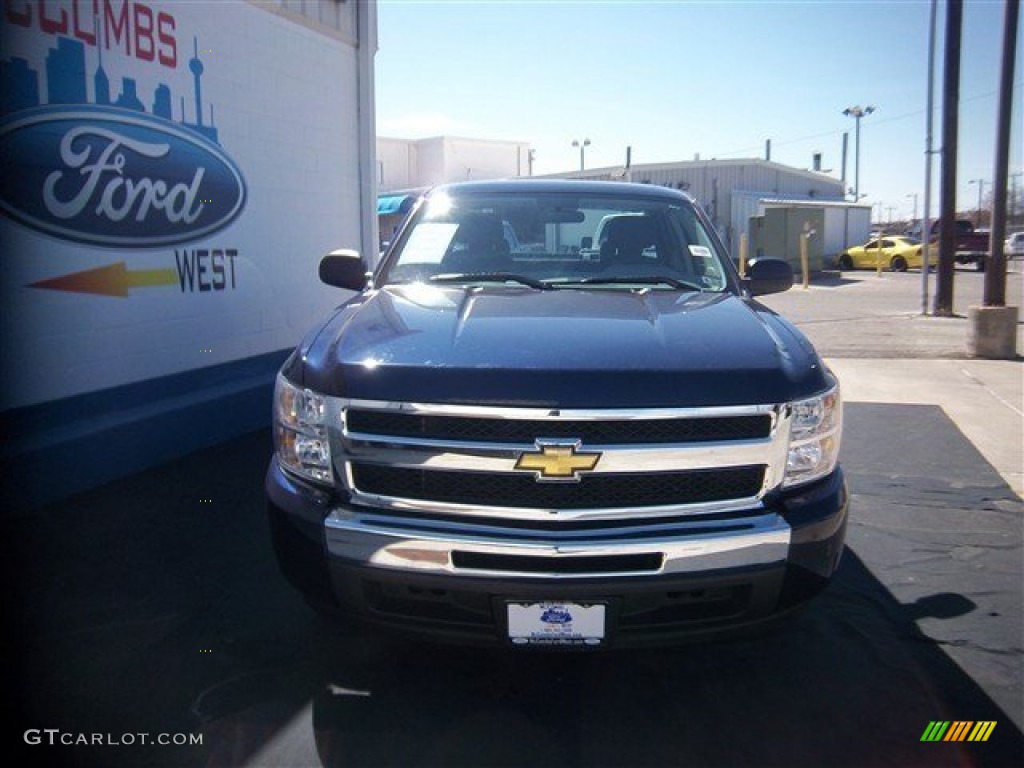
(115, 177)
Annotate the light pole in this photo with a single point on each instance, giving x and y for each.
(583, 148)
(926, 214)
(981, 187)
(857, 113)
(913, 220)
(1013, 195)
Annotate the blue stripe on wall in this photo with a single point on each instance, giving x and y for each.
(55, 449)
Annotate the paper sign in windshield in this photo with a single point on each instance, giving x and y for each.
(429, 242)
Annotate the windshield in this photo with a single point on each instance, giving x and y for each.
(554, 240)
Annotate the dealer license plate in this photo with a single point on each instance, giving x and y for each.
(556, 623)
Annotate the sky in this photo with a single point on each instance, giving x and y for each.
(714, 78)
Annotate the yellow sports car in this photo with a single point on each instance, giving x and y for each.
(895, 253)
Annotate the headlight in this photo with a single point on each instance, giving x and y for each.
(814, 438)
(300, 431)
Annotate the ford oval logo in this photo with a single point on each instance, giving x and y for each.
(114, 177)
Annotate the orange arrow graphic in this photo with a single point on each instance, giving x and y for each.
(112, 280)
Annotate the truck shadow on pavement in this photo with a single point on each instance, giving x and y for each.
(852, 681)
(153, 606)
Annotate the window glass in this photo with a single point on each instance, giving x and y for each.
(563, 240)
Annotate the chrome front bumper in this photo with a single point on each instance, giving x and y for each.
(363, 538)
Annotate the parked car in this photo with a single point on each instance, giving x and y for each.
(895, 252)
(580, 447)
(1014, 246)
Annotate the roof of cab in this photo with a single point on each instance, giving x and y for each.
(564, 186)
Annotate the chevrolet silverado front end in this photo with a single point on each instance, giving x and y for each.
(596, 439)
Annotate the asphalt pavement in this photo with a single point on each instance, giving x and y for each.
(873, 333)
(151, 610)
(864, 315)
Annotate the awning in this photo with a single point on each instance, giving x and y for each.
(394, 204)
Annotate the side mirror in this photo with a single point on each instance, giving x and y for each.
(769, 276)
(344, 269)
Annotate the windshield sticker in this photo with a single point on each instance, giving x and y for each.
(700, 251)
(429, 242)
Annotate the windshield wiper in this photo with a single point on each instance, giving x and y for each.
(673, 282)
(491, 277)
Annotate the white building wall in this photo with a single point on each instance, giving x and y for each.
(467, 159)
(88, 307)
(396, 164)
(444, 159)
(430, 163)
(339, 15)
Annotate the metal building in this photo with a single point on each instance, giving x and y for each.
(734, 192)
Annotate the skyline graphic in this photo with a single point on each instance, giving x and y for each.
(67, 82)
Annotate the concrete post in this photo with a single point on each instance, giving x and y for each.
(992, 332)
(992, 328)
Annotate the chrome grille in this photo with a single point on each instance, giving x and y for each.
(406, 459)
(616, 432)
(593, 490)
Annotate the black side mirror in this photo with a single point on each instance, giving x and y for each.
(344, 269)
(769, 276)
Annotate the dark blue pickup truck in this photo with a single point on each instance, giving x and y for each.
(586, 435)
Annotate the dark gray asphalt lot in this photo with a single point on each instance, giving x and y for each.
(153, 605)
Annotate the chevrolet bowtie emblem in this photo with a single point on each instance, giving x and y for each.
(557, 461)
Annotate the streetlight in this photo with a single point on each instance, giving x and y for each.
(583, 148)
(981, 187)
(857, 113)
(913, 220)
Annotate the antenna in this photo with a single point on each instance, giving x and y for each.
(196, 67)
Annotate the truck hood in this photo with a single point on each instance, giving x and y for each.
(563, 348)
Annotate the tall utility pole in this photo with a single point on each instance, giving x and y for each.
(857, 113)
(913, 219)
(947, 192)
(995, 270)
